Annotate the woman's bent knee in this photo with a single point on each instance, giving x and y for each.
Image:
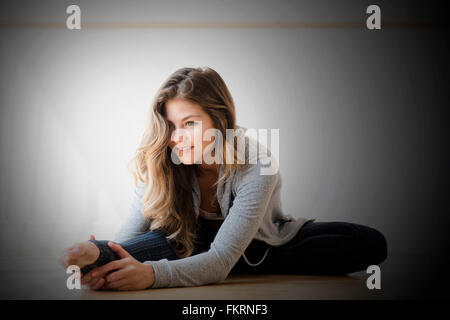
(377, 245)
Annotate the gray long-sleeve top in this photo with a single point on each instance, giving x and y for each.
(250, 203)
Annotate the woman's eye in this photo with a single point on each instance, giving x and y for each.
(189, 123)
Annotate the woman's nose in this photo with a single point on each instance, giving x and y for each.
(179, 135)
(176, 138)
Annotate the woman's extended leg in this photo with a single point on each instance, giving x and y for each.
(151, 245)
(322, 248)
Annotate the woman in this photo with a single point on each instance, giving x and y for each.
(194, 221)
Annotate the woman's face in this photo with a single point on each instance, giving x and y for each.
(187, 123)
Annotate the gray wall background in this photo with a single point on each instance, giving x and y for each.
(362, 114)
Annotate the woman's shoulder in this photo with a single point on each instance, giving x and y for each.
(261, 166)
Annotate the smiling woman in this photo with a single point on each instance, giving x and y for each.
(191, 127)
(194, 222)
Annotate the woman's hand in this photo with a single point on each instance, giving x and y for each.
(129, 273)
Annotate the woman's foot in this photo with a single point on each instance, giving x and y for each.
(81, 254)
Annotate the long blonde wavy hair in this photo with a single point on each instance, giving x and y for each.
(167, 200)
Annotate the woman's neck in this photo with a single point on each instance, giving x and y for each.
(206, 170)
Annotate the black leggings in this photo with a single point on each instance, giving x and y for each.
(321, 248)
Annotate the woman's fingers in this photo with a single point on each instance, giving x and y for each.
(92, 282)
(118, 284)
(86, 278)
(103, 270)
(117, 275)
(117, 248)
(96, 283)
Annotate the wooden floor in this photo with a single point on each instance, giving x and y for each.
(258, 287)
(41, 280)
(52, 285)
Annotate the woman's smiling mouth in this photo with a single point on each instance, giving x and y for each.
(185, 148)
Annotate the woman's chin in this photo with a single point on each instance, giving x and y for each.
(188, 162)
